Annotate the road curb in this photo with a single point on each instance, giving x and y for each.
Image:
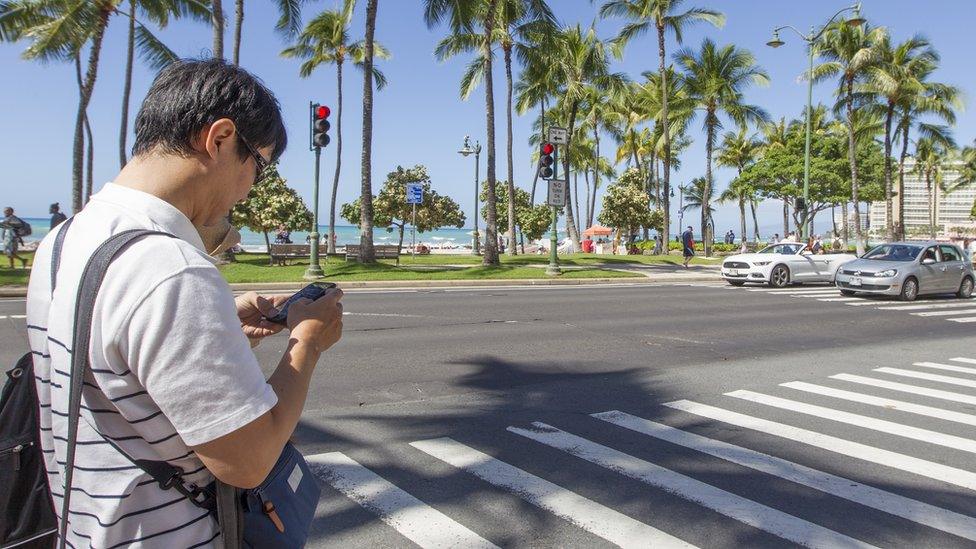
(21, 291)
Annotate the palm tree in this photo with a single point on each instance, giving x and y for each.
(537, 82)
(700, 195)
(366, 253)
(738, 150)
(849, 52)
(217, 22)
(325, 41)
(715, 78)
(154, 52)
(664, 16)
(599, 114)
(464, 18)
(517, 23)
(581, 61)
(289, 22)
(930, 161)
(897, 76)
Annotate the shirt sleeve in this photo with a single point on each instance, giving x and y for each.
(184, 342)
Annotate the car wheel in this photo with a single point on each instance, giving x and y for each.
(780, 276)
(966, 288)
(909, 289)
(847, 293)
(736, 282)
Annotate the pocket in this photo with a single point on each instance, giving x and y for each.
(280, 511)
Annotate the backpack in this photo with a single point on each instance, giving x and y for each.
(22, 230)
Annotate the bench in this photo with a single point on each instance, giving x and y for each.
(281, 253)
(381, 251)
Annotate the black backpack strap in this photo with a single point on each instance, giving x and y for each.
(165, 474)
(56, 251)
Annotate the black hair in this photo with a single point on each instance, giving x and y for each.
(191, 94)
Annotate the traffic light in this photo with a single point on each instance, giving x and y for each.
(545, 160)
(801, 204)
(319, 118)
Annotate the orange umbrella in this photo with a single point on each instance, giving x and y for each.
(598, 230)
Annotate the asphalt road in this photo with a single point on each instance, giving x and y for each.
(466, 418)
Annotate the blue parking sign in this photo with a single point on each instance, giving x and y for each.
(415, 193)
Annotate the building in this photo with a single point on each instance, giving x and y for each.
(953, 208)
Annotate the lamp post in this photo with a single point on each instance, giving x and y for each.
(855, 21)
(466, 150)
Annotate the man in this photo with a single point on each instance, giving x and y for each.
(57, 217)
(174, 377)
(9, 228)
(688, 245)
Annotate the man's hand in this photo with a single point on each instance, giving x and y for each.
(254, 310)
(319, 322)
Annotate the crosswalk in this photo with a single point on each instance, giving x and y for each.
(898, 439)
(961, 311)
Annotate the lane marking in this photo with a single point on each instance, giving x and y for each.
(857, 420)
(414, 519)
(932, 305)
(840, 299)
(946, 367)
(731, 505)
(12, 317)
(927, 376)
(597, 519)
(939, 413)
(793, 290)
(918, 466)
(392, 315)
(968, 319)
(866, 303)
(816, 295)
(905, 388)
(947, 313)
(869, 496)
(964, 360)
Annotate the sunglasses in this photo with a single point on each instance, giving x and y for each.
(259, 160)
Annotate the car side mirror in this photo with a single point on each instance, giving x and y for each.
(928, 261)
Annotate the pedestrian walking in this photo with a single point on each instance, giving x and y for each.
(57, 217)
(818, 245)
(688, 245)
(13, 231)
(172, 376)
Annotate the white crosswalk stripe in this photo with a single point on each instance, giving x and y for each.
(602, 521)
(950, 312)
(927, 376)
(967, 319)
(918, 466)
(905, 388)
(418, 522)
(964, 360)
(755, 514)
(937, 304)
(881, 500)
(946, 367)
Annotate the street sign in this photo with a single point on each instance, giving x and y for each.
(415, 193)
(558, 136)
(557, 193)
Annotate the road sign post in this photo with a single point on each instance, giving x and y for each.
(558, 136)
(553, 268)
(415, 195)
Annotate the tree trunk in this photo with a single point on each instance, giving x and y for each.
(933, 203)
(217, 21)
(570, 220)
(901, 183)
(889, 210)
(666, 132)
(711, 124)
(267, 245)
(90, 162)
(851, 157)
(85, 93)
(596, 168)
(402, 225)
(786, 217)
(366, 252)
(238, 24)
(586, 181)
(127, 85)
(833, 219)
(511, 249)
(755, 222)
(845, 228)
(542, 131)
(576, 195)
(338, 157)
(491, 206)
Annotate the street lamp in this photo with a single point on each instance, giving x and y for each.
(854, 21)
(465, 151)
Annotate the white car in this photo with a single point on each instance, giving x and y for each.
(782, 264)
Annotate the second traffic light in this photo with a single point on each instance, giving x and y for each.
(320, 125)
(545, 160)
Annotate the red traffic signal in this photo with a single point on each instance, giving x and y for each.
(322, 112)
(546, 160)
(319, 126)
(547, 148)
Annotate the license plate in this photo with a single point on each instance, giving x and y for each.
(734, 272)
(855, 281)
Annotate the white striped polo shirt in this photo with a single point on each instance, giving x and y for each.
(171, 369)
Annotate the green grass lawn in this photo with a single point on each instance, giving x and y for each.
(255, 268)
(564, 259)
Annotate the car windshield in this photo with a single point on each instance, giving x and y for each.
(787, 249)
(894, 252)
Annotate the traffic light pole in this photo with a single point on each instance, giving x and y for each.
(553, 268)
(314, 269)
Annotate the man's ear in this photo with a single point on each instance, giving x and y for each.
(218, 135)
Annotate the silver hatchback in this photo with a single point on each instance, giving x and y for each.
(908, 270)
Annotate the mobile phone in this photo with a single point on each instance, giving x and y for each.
(313, 291)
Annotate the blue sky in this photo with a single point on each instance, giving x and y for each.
(419, 118)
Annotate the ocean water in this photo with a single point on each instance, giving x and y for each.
(345, 234)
